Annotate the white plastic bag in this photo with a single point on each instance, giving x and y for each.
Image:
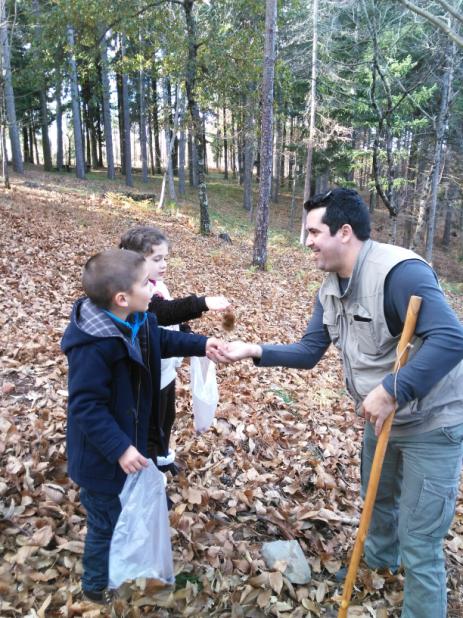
(205, 394)
(140, 546)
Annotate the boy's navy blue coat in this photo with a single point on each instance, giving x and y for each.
(112, 391)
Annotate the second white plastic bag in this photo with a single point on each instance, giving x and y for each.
(204, 390)
(140, 546)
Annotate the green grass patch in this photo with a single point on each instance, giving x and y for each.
(183, 578)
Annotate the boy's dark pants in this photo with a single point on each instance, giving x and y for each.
(102, 513)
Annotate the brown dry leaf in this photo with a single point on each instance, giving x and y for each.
(264, 598)
(7, 388)
(194, 496)
(41, 611)
(311, 606)
(41, 537)
(322, 590)
(276, 581)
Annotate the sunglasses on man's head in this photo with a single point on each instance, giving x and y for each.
(317, 199)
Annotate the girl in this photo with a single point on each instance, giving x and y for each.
(152, 243)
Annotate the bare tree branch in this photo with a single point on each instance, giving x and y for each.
(451, 9)
(437, 21)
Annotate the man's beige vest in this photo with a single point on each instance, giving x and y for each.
(358, 328)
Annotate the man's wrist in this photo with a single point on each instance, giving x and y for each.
(255, 350)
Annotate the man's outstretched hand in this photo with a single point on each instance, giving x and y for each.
(239, 350)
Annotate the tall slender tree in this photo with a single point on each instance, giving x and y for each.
(262, 218)
(126, 115)
(75, 101)
(7, 77)
(312, 107)
(108, 132)
(190, 86)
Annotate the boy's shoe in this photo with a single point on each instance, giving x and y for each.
(101, 597)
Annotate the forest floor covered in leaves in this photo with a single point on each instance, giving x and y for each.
(280, 462)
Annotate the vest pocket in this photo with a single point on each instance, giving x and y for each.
(434, 511)
(364, 335)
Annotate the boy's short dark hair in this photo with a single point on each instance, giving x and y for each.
(109, 272)
(142, 238)
(342, 206)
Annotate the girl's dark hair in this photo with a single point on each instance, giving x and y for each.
(342, 206)
(142, 239)
(110, 272)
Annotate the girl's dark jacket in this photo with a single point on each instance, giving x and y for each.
(113, 390)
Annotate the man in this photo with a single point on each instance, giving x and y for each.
(361, 308)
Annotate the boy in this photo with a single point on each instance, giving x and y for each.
(114, 351)
(170, 313)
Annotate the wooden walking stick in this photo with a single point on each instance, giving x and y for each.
(401, 358)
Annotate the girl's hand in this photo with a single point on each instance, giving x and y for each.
(217, 303)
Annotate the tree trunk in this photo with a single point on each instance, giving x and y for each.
(233, 148)
(181, 149)
(47, 162)
(441, 136)
(108, 131)
(204, 140)
(276, 160)
(157, 145)
(262, 218)
(59, 128)
(27, 156)
(293, 201)
(313, 102)
(150, 138)
(190, 84)
(125, 107)
(120, 116)
(292, 157)
(171, 122)
(3, 151)
(190, 159)
(169, 137)
(93, 135)
(282, 154)
(449, 194)
(248, 152)
(31, 143)
(99, 133)
(240, 146)
(143, 148)
(225, 145)
(75, 100)
(18, 164)
(87, 144)
(36, 149)
(170, 146)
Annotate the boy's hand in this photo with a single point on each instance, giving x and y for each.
(132, 460)
(215, 350)
(217, 303)
(238, 350)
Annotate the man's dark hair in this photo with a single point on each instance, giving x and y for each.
(110, 272)
(142, 238)
(342, 206)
